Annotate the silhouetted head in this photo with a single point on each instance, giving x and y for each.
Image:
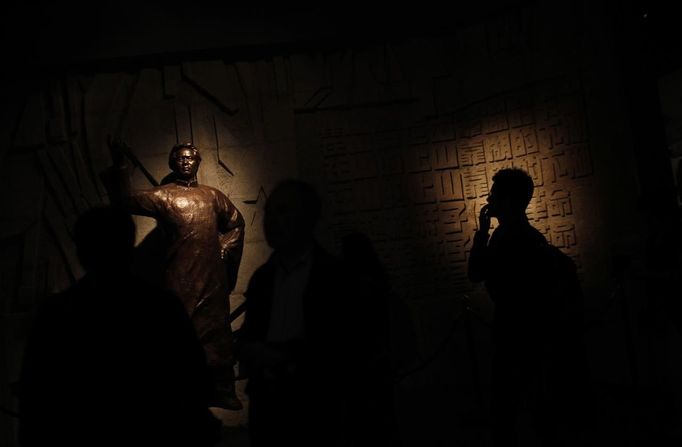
(184, 160)
(291, 213)
(356, 244)
(105, 239)
(510, 194)
(357, 250)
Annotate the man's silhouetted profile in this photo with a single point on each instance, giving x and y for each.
(293, 343)
(537, 324)
(111, 360)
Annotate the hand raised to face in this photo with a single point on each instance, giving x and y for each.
(484, 219)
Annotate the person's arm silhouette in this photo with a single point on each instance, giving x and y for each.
(478, 255)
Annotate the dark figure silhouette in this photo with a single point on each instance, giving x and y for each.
(372, 386)
(663, 261)
(537, 321)
(112, 360)
(293, 341)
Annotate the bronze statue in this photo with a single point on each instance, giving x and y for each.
(205, 238)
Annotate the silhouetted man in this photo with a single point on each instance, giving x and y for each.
(111, 360)
(291, 346)
(516, 268)
(205, 238)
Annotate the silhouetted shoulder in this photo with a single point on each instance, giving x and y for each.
(261, 282)
(524, 235)
(325, 258)
(123, 300)
(264, 270)
(536, 236)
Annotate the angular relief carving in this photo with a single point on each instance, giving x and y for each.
(418, 158)
(454, 246)
(559, 135)
(426, 224)
(469, 128)
(563, 235)
(470, 153)
(523, 141)
(62, 199)
(497, 147)
(210, 78)
(580, 161)
(444, 154)
(452, 217)
(475, 181)
(521, 117)
(422, 188)
(574, 163)
(67, 174)
(538, 208)
(59, 229)
(203, 126)
(253, 212)
(495, 123)
(448, 185)
(172, 77)
(544, 139)
(560, 204)
(83, 176)
(443, 131)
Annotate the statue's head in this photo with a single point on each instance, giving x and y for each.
(184, 160)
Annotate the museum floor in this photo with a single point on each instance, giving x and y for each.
(436, 414)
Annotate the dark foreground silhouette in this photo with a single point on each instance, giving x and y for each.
(112, 360)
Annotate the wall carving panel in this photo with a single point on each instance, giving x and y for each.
(416, 187)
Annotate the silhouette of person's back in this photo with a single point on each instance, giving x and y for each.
(372, 383)
(112, 360)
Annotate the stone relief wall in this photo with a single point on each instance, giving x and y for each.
(416, 187)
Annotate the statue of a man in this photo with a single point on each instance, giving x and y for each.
(205, 238)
